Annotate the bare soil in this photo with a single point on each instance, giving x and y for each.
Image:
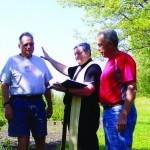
(53, 138)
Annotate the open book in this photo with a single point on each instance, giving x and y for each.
(68, 84)
(73, 84)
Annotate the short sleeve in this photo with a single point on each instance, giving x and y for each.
(6, 72)
(128, 69)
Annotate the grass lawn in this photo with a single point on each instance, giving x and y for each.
(142, 129)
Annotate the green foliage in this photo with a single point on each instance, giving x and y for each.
(2, 118)
(130, 18)
(58, 106)
(143, 73)
(6, 145)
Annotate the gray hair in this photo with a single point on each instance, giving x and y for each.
(25, 34)
(85, 46)
(110, 35)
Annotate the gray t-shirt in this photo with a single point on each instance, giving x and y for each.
(25, 76)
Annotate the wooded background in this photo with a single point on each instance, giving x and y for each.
(131, 20)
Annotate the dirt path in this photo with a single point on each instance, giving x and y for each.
(52, 140)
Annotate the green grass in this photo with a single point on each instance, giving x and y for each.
(142, 129)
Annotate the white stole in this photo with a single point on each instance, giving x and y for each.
(75, 111)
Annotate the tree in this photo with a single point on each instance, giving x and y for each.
(131, 19)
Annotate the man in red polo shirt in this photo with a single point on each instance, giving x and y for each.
(117, 93)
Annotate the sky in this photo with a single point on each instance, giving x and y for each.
(51, 25)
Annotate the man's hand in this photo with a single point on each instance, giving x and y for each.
(49, 111)
(130, 97)
(8, 112)
(59, 87)
(121, 123)
(46, 56)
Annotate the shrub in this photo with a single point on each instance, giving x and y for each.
(58, 106)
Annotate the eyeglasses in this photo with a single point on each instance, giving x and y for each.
(25, 45)
(99, 44)
(78, 53)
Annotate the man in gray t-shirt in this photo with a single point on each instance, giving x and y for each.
(25, 78)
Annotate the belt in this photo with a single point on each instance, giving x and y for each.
(28, 96)
(108, 106)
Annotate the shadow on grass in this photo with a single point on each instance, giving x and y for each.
(102, 147)
(143, 122)
(140, 149)
(53, 145)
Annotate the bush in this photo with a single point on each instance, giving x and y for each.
(58, 106)
(2, 118)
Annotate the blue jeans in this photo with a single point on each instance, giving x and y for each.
(115, 140)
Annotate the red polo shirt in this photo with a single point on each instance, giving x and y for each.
(118, 71)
